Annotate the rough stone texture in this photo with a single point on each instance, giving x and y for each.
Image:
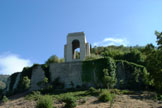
(37, 76)
(69, 47)
(67, 72)
(17, 81)
(8, 84)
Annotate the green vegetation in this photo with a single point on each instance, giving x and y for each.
(25, 84)
(109, 78)
(106, 96)
(93, 57)
(45, 67)
(45, 102)
(132, 76)
(4, 99)
(108, 67)
(92, 91)
(54, 59)
(70, 101)
(43, 83)
(93, 69)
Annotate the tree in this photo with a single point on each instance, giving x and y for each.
(159, 39)
(53, 59)
(134, 56)
(154, 63)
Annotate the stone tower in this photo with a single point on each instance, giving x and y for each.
(76, 48)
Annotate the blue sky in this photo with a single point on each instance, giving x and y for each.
(33, 30)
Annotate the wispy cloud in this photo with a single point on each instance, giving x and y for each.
(112, 41)
(10, 63)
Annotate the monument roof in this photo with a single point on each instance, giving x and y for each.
(76, 34)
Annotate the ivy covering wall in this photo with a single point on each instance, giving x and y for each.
(129, 75)
(92, 71)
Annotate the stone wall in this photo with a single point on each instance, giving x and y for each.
(68, 72)
(37, 76)
(17, 81)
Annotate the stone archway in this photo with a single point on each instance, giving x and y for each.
(76, 48)
(75, 52)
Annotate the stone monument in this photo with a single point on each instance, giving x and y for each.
(76, 41)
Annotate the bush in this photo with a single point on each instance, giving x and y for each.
(109, 79)
(45, 102)
(92, 91)
(115, 91)
(4, 99)
(106, 96)
(25, 84)
(35, 95)
(92, 57)
(70, 101)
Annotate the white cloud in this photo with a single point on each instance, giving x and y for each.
(10, 63)
(112, 41)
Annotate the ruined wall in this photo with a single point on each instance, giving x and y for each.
(37, 76)
(69, 72)
(17, 81)
(87, 73)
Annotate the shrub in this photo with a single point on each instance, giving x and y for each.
(4, 99)
(70, 101)
(92, 91)
(93, 57)
(35, 95)
(45, 102)
(106, 96)
(25, 84)
(115, 91)
(108, 79)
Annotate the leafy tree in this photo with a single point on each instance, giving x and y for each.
(54, 59)
(154, 63)
(149, 48)
(134, 56)
(159, 39)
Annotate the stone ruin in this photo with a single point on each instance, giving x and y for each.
(76, 41)
(69, 71)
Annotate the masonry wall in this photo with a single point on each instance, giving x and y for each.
(68, 72)
(37, 76)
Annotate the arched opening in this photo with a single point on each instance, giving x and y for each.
(76, 49)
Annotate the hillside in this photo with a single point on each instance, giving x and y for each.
(128, 99)
(3, 81)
